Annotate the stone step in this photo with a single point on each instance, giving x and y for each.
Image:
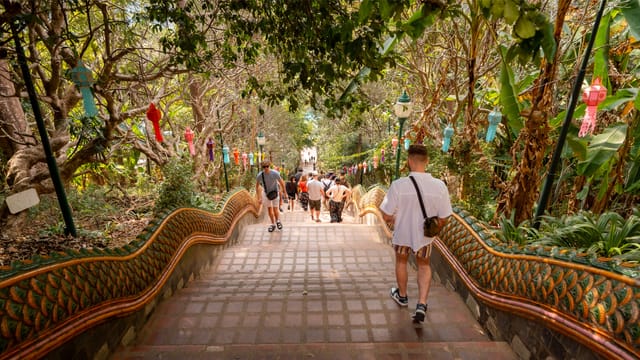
(472, 350)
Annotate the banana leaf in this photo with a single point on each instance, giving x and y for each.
(601, 56)
(602, 149)
(510, 106)
(631, 11)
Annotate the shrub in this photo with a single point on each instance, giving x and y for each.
(177, 189)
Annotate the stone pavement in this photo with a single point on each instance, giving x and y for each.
(310, 291)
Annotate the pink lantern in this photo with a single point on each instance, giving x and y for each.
(244, 159)
(364, 167)
(394, 144)
(154, 115)
(592, 96)
(375, 161)
(188, 135)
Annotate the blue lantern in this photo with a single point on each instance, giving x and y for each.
(407, 142)
(494, 119)
(81, 76)
(225, 154)
(448, 133)
(251, 159)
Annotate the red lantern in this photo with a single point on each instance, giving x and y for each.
(236, 156)
(592, 96)
(394, 144)
(154, 115)
(188, 135)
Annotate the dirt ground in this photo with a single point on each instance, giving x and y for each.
(105, 229)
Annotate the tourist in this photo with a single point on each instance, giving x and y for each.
(401, 208)
(269, 186)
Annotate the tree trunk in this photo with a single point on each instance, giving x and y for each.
(15, 139)
(521, 193)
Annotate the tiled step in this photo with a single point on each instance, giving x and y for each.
(309, 291)
(331, 351)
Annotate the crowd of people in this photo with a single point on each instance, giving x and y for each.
(402, 207)
(312, 191)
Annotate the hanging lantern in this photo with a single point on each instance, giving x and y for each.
(154, 115)
(210, 145)
(381, 155)
(188, 135)
(407, 142)
(369, 166)
(225, 154)
(236, 156)
(592, 96)
(448, 133)
(364, 167)
(245, 157)
(375, 161)
(83, 79)
(256, 155)
(494, 119)
(250, 159)
(394, 145)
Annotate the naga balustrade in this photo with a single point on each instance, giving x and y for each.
(594, 301)
(50, 300)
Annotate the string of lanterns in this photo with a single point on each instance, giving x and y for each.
(592, 96)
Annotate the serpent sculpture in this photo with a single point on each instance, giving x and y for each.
(48, 301)
(592, 300)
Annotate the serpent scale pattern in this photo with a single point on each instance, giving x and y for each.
(39, 298)
(604, 300)
(599, 295)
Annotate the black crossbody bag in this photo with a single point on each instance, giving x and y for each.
(431, 227)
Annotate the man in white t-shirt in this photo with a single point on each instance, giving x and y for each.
(316, 194)
(337, 196)
(402, 208)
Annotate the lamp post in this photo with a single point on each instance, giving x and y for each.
(261, 141)
(402, 108)
(575, 92)
(224, 161)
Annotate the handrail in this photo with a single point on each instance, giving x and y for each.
(47, 302)
(592, 301)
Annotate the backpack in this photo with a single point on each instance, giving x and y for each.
(326, 186)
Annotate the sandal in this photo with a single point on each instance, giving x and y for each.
(279, 224)
(272, 227)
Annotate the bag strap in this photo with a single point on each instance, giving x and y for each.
(264, 184)
(424, 213)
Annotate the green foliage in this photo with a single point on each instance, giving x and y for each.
(631, 11)
(511, 233)
(531, 28)
(608, 235)
(602, 149)
(177, 189)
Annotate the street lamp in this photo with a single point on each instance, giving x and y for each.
(402, 108)
(261, 141)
